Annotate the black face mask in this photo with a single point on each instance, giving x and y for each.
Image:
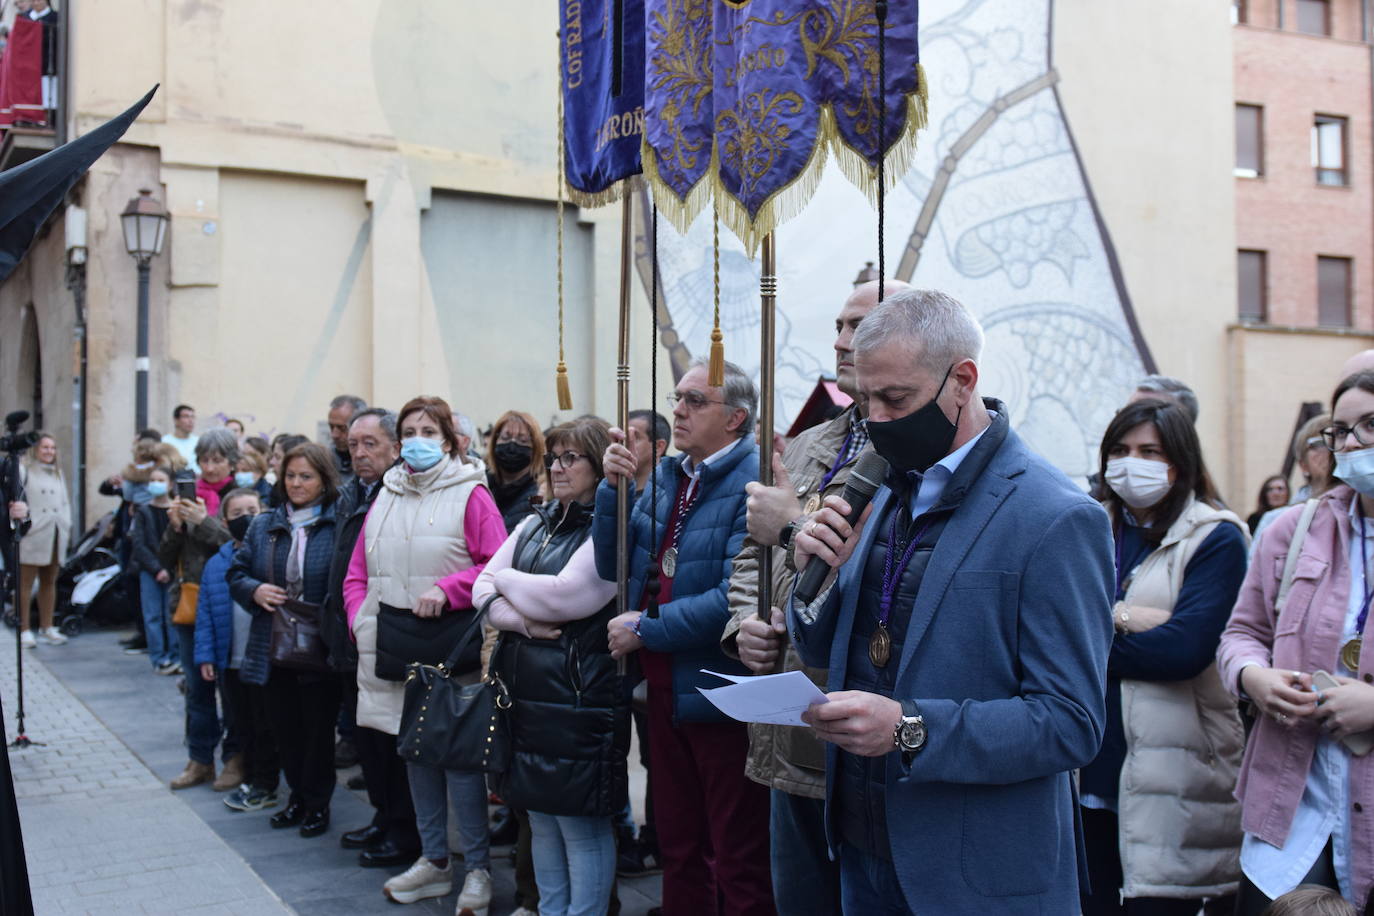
(918, 440)
(238, 527)
(512, 456)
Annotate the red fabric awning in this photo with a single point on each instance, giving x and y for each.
(21, 69)
(824, 398)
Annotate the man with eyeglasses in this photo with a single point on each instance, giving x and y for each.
(789, 760)
(712, 822)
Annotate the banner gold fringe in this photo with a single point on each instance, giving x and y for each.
(792, 198)
(610, 195)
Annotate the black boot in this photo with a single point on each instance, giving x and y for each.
(290, 816)
(316, 823)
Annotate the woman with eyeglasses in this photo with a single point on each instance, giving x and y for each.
(1307, 778)
(569, 716)
(515, 451)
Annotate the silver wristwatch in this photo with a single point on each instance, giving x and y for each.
(909, 735)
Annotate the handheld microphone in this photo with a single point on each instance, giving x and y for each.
(858, 491)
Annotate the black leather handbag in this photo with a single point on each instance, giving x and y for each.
(296, 641)
(455, 726)
(403, 638)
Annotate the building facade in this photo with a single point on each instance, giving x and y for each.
(1304, 219)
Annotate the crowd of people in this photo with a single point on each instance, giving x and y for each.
(1038, 700)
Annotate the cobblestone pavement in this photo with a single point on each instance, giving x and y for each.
(105, 835)
(102, 833)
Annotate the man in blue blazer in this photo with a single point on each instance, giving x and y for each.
(966, 635)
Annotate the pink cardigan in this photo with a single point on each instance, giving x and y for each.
(483, 530)
(573, 593)
(1277, 759)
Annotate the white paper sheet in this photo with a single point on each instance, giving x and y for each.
(774, 699)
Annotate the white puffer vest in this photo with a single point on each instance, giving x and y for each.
(1180, 823)
(413, 538)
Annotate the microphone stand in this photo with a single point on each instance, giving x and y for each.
(13, 534)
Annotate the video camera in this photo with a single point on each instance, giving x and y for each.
(14, 442)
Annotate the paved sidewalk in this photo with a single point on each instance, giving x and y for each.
(102, 833)
(114, 730)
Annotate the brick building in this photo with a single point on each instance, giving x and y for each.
(1304, 215)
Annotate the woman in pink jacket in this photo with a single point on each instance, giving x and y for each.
(1308, 801)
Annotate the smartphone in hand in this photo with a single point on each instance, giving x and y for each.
(1359, 744)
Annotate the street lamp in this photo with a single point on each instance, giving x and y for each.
(145, 229)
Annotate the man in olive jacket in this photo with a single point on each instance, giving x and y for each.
(789, 760)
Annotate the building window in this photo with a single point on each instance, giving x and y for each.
(1333, 292)
(1251, 284)
(1314, 17)
(1239, 12)
(1249, 141)
(1328, 150)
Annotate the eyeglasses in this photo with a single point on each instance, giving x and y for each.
(565, 460)
(694, 400)
(1334, 436)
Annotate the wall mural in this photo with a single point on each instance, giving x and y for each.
(996, 210)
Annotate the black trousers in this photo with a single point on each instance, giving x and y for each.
(304, 706)
(1251, 901)
(388, 787)
(251, 723)
(1101, 835)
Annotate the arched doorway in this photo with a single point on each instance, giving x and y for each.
(29, 379)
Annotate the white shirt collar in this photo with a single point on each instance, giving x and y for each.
(693, 470)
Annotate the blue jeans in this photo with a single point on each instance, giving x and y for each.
(432, 789)
(869, 886)
(203, 726)
(157, 624)
(805, 881)
(574, 864)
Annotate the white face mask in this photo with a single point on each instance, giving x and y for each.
(1140, 482)
(1357, 469)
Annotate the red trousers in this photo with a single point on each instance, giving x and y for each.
(712, 819)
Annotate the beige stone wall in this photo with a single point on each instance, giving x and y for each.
(1147, 92)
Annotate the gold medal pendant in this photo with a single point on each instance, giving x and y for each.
(669, 563)
(880, 647)
(1350, 653)
(813, 504)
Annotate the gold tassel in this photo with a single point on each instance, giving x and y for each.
(564, 387)
(715, 371)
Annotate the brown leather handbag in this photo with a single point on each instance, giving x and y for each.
(296, 639)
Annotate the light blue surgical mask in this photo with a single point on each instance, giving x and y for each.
(244, 479)
(421, 454)
(1357, 469)
(157, 488)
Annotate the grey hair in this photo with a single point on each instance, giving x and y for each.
(738, 392)
(348, 400)
(931, 322)
(1173, 390)
(463, 424)
(385, 419)
(218, 441)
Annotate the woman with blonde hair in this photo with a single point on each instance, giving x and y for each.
(47, 508)
(515, 453)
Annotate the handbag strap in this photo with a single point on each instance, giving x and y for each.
(473, 632)
(1290, 563)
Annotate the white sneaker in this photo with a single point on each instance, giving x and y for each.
(27, 639)
(420, 881)
(53, 636)
(476, 895)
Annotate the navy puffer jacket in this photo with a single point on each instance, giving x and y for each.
(688, 626)
(269, 540)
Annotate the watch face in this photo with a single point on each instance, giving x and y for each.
(913, 734)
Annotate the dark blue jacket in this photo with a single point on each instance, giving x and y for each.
(215, 611)
(688, 626)
(1005, 656)
(269, 539)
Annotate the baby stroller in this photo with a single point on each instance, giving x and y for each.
(90, 584)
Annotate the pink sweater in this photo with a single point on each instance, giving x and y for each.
(572, 594)
(1306, 638)
(483, 530)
